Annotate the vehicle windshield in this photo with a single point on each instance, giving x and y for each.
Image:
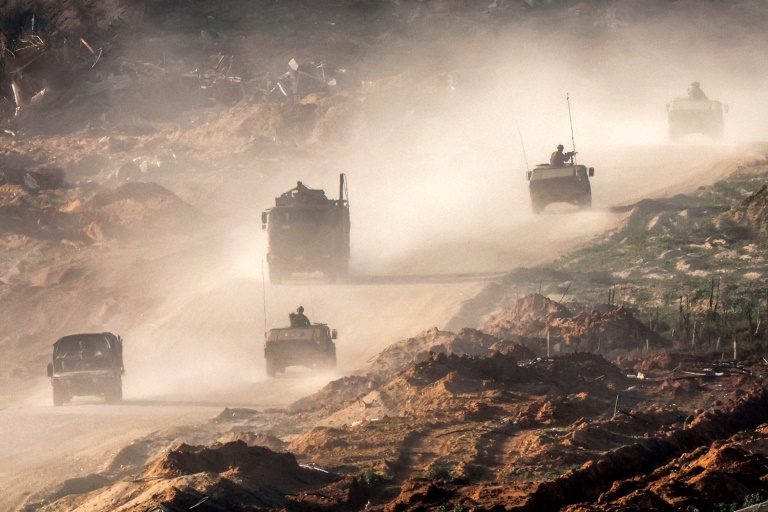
(301, 334)
(79, 353)
(297, 217)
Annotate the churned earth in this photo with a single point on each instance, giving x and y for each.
(141, 140)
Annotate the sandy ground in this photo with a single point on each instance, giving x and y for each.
(169, 385)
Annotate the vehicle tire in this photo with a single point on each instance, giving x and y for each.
(537, 206)
(330, 361)
(114, 393)
(59, 396)
(586, 202)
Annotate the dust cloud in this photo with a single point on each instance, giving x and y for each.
(437, 178)
(450, 195)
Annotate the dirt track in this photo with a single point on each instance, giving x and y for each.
(221, 367)
(439, 200)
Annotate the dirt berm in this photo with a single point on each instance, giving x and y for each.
(486, 433)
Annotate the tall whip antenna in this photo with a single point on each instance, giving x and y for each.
(264, 298)
(525, 157)
(570, 119)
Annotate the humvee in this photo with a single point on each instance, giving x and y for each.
(566, 184)
(307, 232)
(312, 347)
(89, 364)
(688, 116)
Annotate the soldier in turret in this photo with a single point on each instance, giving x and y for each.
(695, 92)
(299, 319)
(558, 158)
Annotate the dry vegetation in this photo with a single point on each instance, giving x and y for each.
(633, 380)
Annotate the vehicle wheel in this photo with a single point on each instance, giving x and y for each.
(271, 368)
(114, 393)
(59, 396)
(537, 206)
(330, 361)
(586, 202)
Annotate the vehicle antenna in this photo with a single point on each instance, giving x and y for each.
(311, 302)
(264, 298)
(570, 119)
(525, 156)
(343, 191)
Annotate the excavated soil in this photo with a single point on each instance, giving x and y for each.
(130, 119)
(486, 432)
(535, 319)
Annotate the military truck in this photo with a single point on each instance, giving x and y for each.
(307, 232)
(89, 364)
(566, 184)
(688, 116)
(311, 347)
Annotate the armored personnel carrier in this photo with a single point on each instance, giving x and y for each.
(307, 232)
(311, 346)
(687, 116)
(565, 184)
(88, 364)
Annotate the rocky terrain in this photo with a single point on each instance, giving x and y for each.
(138, 136)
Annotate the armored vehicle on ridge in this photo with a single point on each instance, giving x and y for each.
(565, 184)
(689, 116)
(87, 364)
(307, 232)
(311, 346)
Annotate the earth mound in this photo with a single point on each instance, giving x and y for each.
(132, 208)
(401, 355)
(536, 318)
(231, 476)
(752, 213)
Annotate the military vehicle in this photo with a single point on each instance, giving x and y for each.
(89, 364)
(312, 347)
(307, 232)
(688, 116)
(566, 184)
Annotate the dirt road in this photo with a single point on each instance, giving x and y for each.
(201, 351)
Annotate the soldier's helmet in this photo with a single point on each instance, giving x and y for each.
(300, 310)
(560, 147)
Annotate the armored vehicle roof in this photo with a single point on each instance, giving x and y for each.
(300, 195)
(686, 104)
(73, 339)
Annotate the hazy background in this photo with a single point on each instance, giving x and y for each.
(437, 183)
